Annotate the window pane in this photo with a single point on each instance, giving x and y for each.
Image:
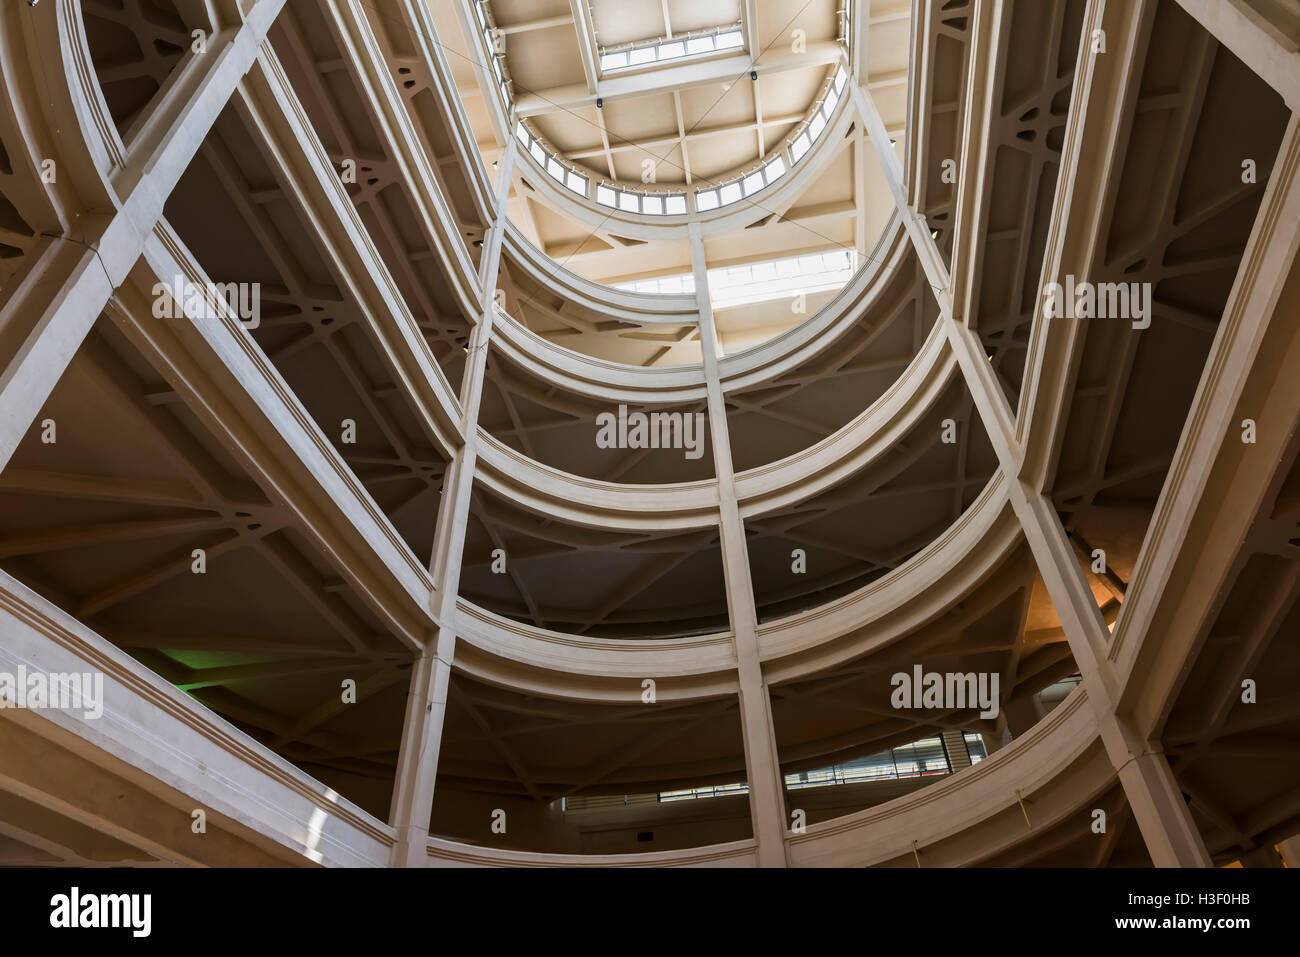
(628, 202)
(605, 196)
(676, 205)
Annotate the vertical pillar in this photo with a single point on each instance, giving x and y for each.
(426, 704)
(1157, 802)
(762, 766)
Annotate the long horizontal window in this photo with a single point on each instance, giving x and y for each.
(748, 283)
(719, 790)
(921, 759)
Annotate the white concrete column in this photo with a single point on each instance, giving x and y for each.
(426, 705)
(762, 766)
(1158, 806)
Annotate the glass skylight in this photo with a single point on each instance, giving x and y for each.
(683, 285)
(749, 283)
(665, 49)
(660, 203)
(765, 281)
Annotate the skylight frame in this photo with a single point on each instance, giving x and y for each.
(693, 47)
(763, 280)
